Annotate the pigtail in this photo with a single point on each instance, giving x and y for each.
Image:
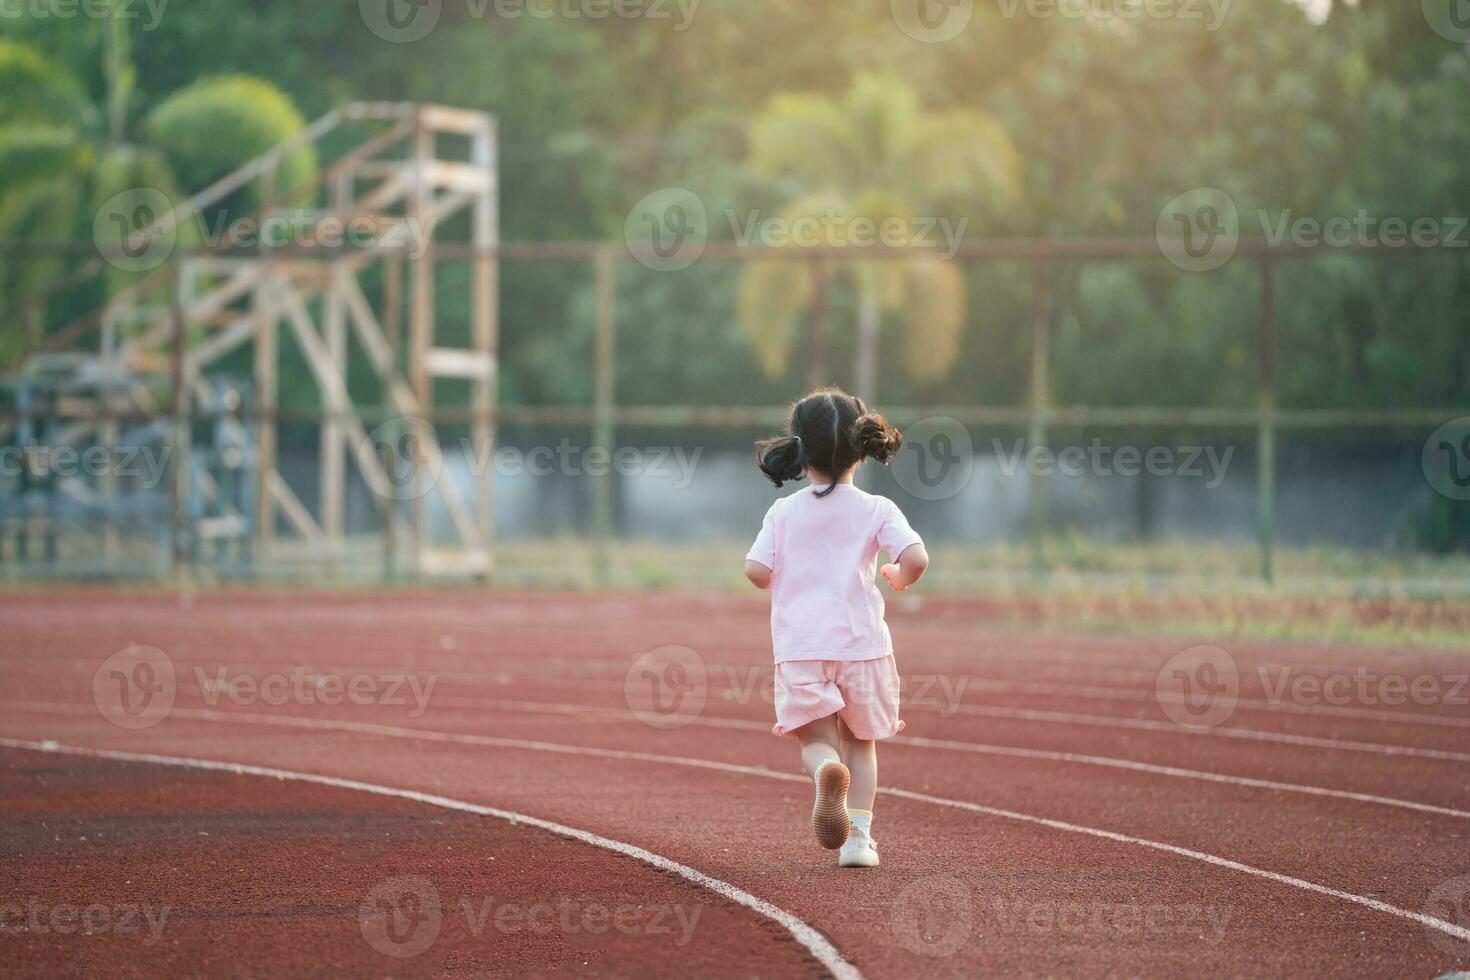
(831, 431)
(782, 459)
(872, 437)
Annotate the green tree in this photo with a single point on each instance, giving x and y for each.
(875, 156)
(64, 157)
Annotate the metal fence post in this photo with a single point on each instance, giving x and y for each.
(605, 389)
(51, 483)
(180, 531)
(388, 456)
(1266, 422)
(1040, 409)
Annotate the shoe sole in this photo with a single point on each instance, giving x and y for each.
(829, 815)
(865, 862)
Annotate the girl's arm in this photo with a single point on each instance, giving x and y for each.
(759, 575)
(909, 568)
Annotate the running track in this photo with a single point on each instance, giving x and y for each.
(1045, 815)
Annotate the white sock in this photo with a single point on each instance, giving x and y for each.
(861, 819)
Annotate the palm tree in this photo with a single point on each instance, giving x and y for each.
(63, 157)
(873, 155)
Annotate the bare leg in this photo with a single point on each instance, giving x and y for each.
(820, 749)
(860, 755)
(820, 742)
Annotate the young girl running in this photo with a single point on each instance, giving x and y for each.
(836, 684)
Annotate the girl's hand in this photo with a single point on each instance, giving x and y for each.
(909, 568)
(759, 575)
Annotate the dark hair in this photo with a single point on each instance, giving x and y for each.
(830, 431)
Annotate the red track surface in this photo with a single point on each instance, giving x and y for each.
(1084, 836)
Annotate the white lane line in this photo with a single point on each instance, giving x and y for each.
(391, 731)
(816, 943)
(981, 748)
(1252, 734)
(1099, 692)
(1449, 928)
(615, 669)
(738, 724)
(368, 625)
(1095, 760)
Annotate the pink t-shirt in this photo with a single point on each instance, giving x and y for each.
(825, 604)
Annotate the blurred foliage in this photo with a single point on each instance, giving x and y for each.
(214, 125)
(873, 155)
(67, 160)
(1106, 120)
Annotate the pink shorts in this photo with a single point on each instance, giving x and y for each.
(863, 693)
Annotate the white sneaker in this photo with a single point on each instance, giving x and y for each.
(860, 851)
(829, 812)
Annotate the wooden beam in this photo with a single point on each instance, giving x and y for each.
(382, 197)
(267, 319)
(378, 110)
(468, 178)
(347, 166)
(334, 324)
(421, 308)
(443, 206)
(333, 474)
(232, 336)
(180, 546)
(365, 325)
(107, 484)
(393, 304)
(333, 390)
(485, 329)
(449, 362)
(264, 167)
(241, 328)
(404, 401)
(294, 510)
(450, 120)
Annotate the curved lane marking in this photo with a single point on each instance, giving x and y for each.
(981, 748)
(817, 944)
(391, 731)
